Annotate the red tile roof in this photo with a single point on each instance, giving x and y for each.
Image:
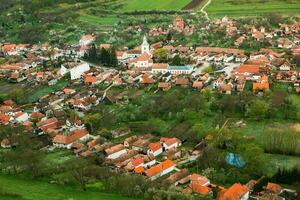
(235, 192)
(155, 146)
(248, 69)
(68, 139)
(160, 168)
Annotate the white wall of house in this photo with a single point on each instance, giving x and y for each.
(116, 154)
(149, 164)
(166, 171)
(155, 153)
(63, 70)
(175, 145)
(159, 70)
(245, 196)
(23, 118)
(78, 71)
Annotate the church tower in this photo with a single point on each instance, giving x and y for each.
(145, 46)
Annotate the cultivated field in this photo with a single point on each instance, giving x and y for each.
(219, 8)
(132, 5)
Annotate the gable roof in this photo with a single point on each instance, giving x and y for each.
(68, 139)
(160, 168)
(154, 146)
(248, 69)
(235, 192)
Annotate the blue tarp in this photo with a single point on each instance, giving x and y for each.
(235, 160)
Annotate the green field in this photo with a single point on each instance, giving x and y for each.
(221, 8)
(19, 189)
(132, 5)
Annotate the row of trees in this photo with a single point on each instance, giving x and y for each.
(106, 57)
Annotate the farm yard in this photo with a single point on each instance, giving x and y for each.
(220, 8)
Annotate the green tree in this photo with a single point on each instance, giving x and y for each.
(258, 109)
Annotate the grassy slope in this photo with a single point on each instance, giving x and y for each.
(131, 5)
(36, 190)
(226, 7)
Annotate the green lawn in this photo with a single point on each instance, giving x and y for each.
(252, 7)
(44, 90)
(132, 5)
(37, 190)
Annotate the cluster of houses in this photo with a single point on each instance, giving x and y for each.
(178, 25)
(155, 158)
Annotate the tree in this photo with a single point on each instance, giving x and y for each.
(18, 95)
(258, 109)
(177, 61)
(161, 55)
(253, 156)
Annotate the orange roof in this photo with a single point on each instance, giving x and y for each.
(68, 139)
(87, 37)
(235, 192)
(160, 66)
(37, 115)
(4, 118)
(146, 80)
(139, 170)
(169, 141)
(90, 79)
(198, 188)
(202, 180)
(68, 91)
(10, 67)
(8, 47)
(143, 57)
(248, 69)
(18, 114)
(263, 85)
(160, 167)
(273, 187)
(114, 149)
(155, 146)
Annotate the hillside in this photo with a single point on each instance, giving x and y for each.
(15, 188)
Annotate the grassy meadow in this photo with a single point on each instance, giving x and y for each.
(13, 188)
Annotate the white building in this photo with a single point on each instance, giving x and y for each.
(115, 151)
(160, 169)
(66, 141)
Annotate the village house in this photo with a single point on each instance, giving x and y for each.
(86, 40)
(76, 70)
(160, 169)
(248, 71)
(178, 23)
(160, 68)
(66, 141)
(155, 149)
(187, 69)
(115, 151)
(236, 191)
(164, 86)
(169, 143)
(262, 84)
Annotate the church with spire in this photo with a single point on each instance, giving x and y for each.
(145, 48)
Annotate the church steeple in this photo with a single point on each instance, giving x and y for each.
(145, 46)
